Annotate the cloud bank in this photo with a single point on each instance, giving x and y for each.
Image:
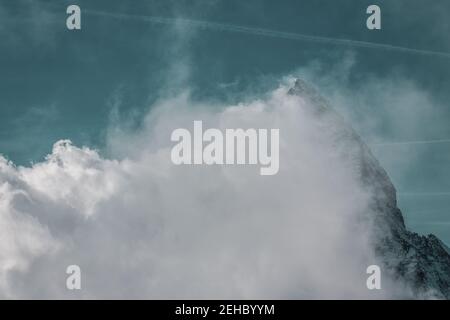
(141, 227)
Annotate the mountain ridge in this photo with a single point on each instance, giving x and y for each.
(422, 262)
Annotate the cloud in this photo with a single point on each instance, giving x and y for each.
(401, 118)
(398, 117)
(141, 227)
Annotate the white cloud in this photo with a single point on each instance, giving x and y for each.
(141, 227)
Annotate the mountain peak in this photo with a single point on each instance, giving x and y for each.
(422, 262)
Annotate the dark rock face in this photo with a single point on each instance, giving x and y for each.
(421, 262)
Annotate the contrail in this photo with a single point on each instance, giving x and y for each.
(383, 144)
(439, 223)
(424, 194)
(427, 211)
(267, 33)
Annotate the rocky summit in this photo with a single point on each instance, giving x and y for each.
(420, 262)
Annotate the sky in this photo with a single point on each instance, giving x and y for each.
(96, 86)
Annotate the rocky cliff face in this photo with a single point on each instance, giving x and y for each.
(422, 262)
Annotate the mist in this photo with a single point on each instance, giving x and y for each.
(141, 227)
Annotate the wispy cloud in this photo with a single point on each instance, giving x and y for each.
(232, 233)
(412, 142)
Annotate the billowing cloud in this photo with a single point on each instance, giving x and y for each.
(141, 227)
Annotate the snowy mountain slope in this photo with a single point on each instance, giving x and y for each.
(422, 262)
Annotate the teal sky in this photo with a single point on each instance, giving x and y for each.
(56, 83)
